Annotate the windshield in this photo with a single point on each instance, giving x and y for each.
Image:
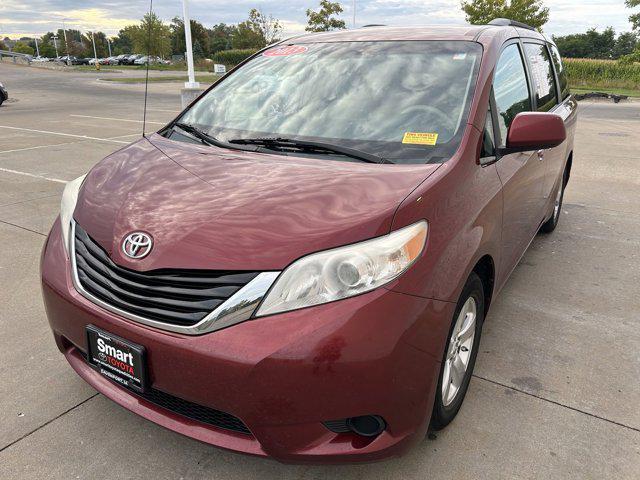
(404, 101)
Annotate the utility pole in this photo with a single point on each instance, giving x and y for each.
(37, 49)
(187, 36)
(64, 32)
(353, 25)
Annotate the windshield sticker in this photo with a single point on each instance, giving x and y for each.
(420, 138)
(285, 51)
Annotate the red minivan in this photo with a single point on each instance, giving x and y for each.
(299, 265)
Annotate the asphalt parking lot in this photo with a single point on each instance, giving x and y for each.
(556, 390)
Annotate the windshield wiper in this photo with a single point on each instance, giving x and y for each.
(308, 146)
(208, 139)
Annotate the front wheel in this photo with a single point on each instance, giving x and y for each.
(460, 353)
(551, 224)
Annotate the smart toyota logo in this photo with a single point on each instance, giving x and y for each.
(137, 245)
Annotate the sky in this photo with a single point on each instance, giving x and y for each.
(20, 18)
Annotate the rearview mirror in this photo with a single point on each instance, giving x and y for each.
(534, 131)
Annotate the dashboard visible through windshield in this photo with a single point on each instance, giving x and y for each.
(404, 101)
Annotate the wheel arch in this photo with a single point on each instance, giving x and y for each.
(485, 269)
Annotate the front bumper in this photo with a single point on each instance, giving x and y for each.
(378, 353)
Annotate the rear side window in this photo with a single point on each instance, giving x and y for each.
(562, 74)
(510, 88)
(542, 75)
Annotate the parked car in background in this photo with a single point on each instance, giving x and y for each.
(300, 264)
(120, 59)
(141, 60)
(131, 59)
(3, 93)
(73, 60)
(40, 59)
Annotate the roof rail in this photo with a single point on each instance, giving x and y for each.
(373, 25)
(506, 22)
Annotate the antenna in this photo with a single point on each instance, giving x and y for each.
(146, 80)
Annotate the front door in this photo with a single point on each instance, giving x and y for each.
(522, 174)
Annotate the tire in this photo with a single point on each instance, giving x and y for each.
(447, 401)
(551, 224)
(1, 99)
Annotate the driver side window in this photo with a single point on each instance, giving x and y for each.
(510, 88)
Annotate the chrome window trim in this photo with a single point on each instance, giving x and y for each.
(236, 309)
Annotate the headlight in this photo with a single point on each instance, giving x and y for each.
(67, 206)
(345, 271)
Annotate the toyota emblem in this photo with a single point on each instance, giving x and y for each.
(137, 245)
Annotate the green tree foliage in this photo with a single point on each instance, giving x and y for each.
(198, 34)
(152, 28)
(22, 47)
(121, 43)
(481, 12)
(594, 44)
(323, 20)
(258, 31)
(635, 18)
(220, 37)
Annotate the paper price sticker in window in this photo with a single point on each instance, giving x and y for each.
(418, 138)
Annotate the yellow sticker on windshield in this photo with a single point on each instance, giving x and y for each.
(420, 138)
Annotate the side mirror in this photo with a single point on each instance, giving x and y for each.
(534, 131)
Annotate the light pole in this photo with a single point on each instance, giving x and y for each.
(109, 45)
(37, 49)
(55, 44)
(95, 55)
(64, 32)
(354, 14)
(187, 36)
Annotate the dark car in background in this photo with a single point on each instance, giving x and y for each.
(299, 265)
(4, 95)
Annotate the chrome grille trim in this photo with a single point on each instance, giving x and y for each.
(236, 309)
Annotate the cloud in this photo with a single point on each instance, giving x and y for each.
(35, 17)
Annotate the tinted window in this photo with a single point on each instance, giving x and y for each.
(510, 88)
(542, 75)
(562, 74)
(405, 101)
(488, 142)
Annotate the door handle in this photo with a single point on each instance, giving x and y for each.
(540, 155)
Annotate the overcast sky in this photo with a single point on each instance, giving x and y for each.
(35, 17)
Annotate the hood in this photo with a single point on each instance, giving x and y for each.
(210, 208)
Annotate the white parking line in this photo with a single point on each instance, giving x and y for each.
(162, 110)
(116, 119)
(85, 137)
(51, 179)
(66, 143)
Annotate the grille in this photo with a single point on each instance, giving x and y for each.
(195, 412)
(191, 410)
(176, 297)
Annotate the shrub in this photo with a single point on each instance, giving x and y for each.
(231, 58)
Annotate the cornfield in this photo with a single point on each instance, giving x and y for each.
(586, 72)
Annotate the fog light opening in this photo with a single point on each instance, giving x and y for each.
(367, 425)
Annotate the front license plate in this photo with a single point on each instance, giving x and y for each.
(116, 358)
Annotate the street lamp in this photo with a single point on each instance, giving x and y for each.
(109, 45)
(64, 32)
(95, 54)
(55, 43)
(37, 49)
(353, 25)
(187, 36)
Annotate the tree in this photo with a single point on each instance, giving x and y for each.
(220, 37)
(151, 28)
(625, 44)
(198, 34)
(322, 21)
(635, 18)
(256, 32)
(531, 12)
(593, 44)
(21, 47)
